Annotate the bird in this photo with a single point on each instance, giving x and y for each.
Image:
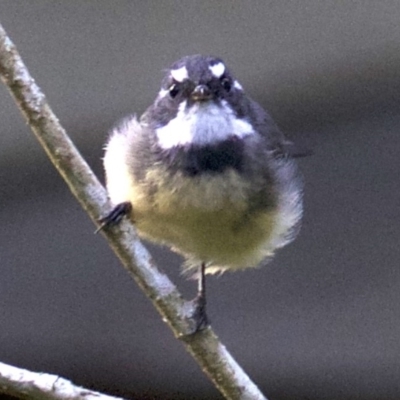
(206, 172)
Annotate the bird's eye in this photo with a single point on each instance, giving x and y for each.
(174, 90)
(226, 83)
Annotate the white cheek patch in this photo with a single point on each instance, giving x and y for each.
(237, 85)
(180, 74)
(163, 93)
(202, 125)
(217, 69)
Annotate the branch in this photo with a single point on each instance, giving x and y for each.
(39, 386)
(204, 346)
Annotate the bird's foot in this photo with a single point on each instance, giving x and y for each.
(199, 315)
(115, 216)
(198, 304)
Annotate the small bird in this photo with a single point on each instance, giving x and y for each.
(206, 172)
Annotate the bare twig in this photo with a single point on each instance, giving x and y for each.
(204, 346)
(39, 386)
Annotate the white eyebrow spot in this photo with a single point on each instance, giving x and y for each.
(237, 85)
(180, 74)
(217, 69)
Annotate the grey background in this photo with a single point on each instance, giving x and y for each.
(322, 320)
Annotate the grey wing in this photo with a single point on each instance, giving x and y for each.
(266, 126)
(278, 143)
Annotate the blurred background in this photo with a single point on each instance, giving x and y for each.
(322, 320)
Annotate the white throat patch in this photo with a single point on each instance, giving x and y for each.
(202, 124)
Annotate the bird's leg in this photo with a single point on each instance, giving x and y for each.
(115, 215)
(199, 313)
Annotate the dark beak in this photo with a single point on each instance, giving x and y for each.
(201, 93)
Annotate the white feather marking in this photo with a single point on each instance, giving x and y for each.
(217, 69)
(237, 85)
(162, 93)
(290, 205)
(117, 171)
(202, 124)
(180, 74)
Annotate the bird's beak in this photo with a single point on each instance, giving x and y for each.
(201, 93)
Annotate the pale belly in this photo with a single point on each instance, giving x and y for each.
(206, 219)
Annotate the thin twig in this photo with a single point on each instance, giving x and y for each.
(39, 386)
(204, 346)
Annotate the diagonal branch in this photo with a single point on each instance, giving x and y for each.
(204, 346)
(38, 386)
